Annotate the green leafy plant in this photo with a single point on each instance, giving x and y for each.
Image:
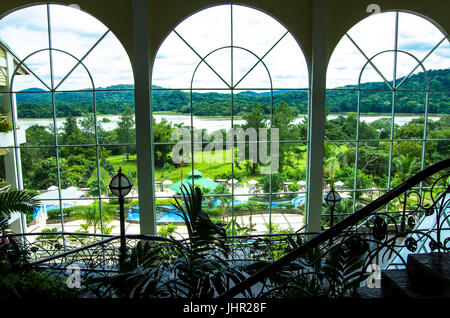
(14, 281)
(197, 268)
(93, 217)
(5, 125)
(168, 230)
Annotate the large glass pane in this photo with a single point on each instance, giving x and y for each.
(438, 115)
(207, 30)
(438, 150)
(437, 64)
(406, 160)
(35, 117)
(81, 165)
(285, 216)
(373, 165)
(249, 72)
(372, 40)
(75, 117)
(287, 66)
(345, 65)
(342, 106)
(417, 40)
(73, 30)
(39, 169)
(409, 115)
(171, 104)
(26, 30)
(109, 65)
(116, 119)
(111, 159)
(339, 163)
(174, 64)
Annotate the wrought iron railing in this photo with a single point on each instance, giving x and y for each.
(335, 262)
(332, 263)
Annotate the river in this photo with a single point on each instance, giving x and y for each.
(209, 123)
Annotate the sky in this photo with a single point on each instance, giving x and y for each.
(207, 35)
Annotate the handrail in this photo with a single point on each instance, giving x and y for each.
(108, 239)
(51, 258)
(334, 230)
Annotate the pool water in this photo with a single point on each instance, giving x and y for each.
(41, 210)
(172, 215)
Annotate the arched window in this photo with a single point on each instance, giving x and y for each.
(388, 101)
(229, 97)
(68, 95)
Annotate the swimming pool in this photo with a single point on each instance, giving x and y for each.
(40, 210)
(171, 215)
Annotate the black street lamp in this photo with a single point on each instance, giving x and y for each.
(332, 198)
(120, 186)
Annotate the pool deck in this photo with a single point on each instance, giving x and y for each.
(284, 220)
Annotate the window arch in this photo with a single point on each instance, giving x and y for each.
(387, 77)
(225, 67)
(68, 91)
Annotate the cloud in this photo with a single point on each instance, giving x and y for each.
(73, 31)
(416, 36)
(254, 35)
(76, 32)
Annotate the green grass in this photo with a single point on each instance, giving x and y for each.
(203, 162)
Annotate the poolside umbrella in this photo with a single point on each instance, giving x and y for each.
(232, 181)
(301, 183)
(339, 184)
(198, 181)
(167, 182)
(52, 188)
(253, 182)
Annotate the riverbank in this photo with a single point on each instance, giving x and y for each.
(211, 123)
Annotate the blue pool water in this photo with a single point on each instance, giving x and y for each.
(172, 215)
(40, 210)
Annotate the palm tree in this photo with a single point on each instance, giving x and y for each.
(405, 165)
(94, 217)
(15, 201)
(331, 166)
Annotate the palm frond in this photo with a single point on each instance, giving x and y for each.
(16, 201)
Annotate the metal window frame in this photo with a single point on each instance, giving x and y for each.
(394, 89)
(53, 89)
(231, 88)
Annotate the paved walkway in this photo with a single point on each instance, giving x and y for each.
(283, 220)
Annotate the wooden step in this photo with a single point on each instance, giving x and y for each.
(396, 284)
(431, 273)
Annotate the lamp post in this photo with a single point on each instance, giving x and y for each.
(120, 186)
(332, 198)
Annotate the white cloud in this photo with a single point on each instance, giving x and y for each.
(73, 30)
(416, 36)
(254, 33)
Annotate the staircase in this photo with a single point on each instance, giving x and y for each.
(425, 276)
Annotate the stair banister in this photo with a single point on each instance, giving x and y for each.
(334, 230)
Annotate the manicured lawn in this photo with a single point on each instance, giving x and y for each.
(203, 162)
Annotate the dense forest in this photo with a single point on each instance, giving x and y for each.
(114, 100)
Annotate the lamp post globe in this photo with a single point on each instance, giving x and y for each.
(332, 198)
(120, 184)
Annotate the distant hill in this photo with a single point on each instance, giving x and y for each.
(115, 99)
